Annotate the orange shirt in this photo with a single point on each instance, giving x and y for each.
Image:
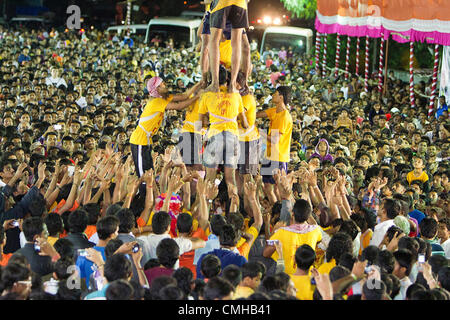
(63, 202)
(5, 259)
(187, 259)
(90, 230)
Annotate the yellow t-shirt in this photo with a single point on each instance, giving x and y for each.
(291, 241)
(326, 267)
(225, 53)
(242, 245)
(280, 122)
(192, 119)
(155, 108)
(227, 3)
(304, 287)
(223, 108)
(410, 177)
(52, 240)
(242, 292)
(252, 132)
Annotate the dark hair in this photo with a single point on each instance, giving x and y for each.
(428, 227)
(32, 227)
(305, 257)
(392, 207)
(126, 220)
(158, 284)
(78, 221)
(385, 261)
(168, 252)
(410, 244)
(61, 268)
(413, 288)
(437, 262)
(171, 292)
(339, 244)
(119, 290)
(184, 223)
(252, 269)
(349, 227)
(106, 227)
(54, 224)
(375, 291)
(185, 278)
(112, 247)
(217, 288)
(233, 274)
(217, 222)
(118, 266)
(270, 283)
(93, 212)
(444, 278)
(302, 210)
(64, 247)
(37, 206)
(228, 236)
(160, 222)
(210, 266)
(405, 259)
(347, 260)
(370, 253)
(339, 272)
(286, 93)
(12, 273)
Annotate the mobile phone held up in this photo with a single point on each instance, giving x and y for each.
(136, 248)
(272, 242)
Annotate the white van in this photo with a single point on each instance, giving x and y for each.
(180, 29)
(136, 30)
(300, 39)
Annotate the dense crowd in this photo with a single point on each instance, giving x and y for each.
(360, 212)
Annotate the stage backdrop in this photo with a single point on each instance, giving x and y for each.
(403, 20)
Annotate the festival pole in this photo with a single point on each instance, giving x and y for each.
(386, 67)
(411, 74)
(347, 58)
(324, 59)
(338, 55)
(366, 66)
(357, 56)
(128, 17)
(434, 79)
(318, 38)
(380, 70)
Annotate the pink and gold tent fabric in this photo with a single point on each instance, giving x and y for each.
(401, 20)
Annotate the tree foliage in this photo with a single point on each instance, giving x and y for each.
(303, 9)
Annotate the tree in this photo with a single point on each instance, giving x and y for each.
(303, 9)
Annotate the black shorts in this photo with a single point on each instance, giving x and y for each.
(190, 146)
(142, 158)
(268, 167)
(207, 30)
(237, 16)
(249, 157)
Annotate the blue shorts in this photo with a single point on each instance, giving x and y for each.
(207, 28)
(267, 168)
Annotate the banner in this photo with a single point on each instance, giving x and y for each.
(444, 89)
(402, 20)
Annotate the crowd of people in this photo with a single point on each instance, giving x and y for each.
(127, 172)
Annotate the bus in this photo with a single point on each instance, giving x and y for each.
(299, 39)
(183, 30)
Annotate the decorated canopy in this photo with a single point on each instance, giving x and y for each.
(401, 20)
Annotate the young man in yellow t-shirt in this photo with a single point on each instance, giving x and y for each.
(278, 139)
(298, 233)
(224, 110)
(418, 173)
(152, 117)
(302, 278)
(234, 12)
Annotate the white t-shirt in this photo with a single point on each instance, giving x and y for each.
(446, 247)
(50, 81)
(151, 242)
